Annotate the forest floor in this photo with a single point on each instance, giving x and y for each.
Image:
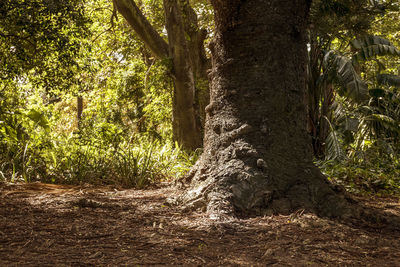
(59, 225)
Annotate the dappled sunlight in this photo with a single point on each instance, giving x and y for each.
(51, 224)
(199, 133)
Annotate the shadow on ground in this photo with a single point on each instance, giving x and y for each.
(51, 225)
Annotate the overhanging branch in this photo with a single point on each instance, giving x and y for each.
(142, 27)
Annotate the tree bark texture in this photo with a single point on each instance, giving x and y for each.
(185, 49)
(186, 125)
(257, 157)
(200, 63)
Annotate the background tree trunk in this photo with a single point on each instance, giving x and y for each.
(186, 125)
(79, 107)
(189, 64)
(257, 156)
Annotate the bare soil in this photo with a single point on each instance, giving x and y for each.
(59, 225)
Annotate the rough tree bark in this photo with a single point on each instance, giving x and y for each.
(257, 155)
(185, 121)
(200, 63)
(189, 63)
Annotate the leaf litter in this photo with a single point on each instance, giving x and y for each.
(63, 225)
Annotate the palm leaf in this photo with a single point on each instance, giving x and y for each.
(386, 121)
(333, 147)
(371, 46)
(377, 92)
(347, 76)
(388, 79)
(369, 40)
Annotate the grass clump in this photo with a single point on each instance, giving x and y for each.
(73, 161)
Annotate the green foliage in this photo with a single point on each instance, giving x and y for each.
(371, 46)
(126, 164)
(376, 174)
(51, 52)
(124, 134)
(333, 144)
(388, 79)
(377, 118)
(105, 151)
(345, 74)
(343, 69)
(41, 39)
(343, 19)
(354, 106)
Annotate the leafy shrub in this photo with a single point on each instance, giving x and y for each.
(380, 176)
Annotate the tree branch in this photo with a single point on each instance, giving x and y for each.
(142, 27)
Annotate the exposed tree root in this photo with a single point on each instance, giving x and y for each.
(235, 190)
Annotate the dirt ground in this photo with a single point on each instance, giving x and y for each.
(58, 225)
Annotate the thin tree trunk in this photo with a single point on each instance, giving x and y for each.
(257, 156)
(79, 105)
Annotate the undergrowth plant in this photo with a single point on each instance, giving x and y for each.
(74, 161)
(380, 177)
(126, 164)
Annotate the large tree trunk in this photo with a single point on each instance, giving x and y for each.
(257, 154)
